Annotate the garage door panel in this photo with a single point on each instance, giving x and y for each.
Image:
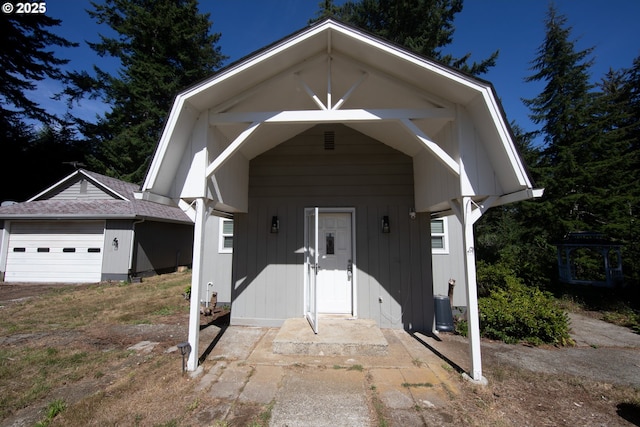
(56, 263)
(69, 252)
(46, 277)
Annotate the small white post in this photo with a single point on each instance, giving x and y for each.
(196, 273)
(472, 291)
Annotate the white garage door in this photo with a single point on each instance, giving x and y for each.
(55, 252)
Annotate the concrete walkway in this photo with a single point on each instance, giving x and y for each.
(405, 385)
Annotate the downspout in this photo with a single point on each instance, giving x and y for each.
(133, 243)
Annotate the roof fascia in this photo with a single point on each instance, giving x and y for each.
(55, 186)
(11, 217)
(103, 186)
(506, 136)
(68, 178)
(180, 106)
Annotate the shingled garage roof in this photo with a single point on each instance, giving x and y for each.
(120, 205)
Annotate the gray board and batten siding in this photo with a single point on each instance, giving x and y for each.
(394, 276)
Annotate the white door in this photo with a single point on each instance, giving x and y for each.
(68, 252)
(335, 263)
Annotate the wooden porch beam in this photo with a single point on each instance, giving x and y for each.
(440, 154)
(319, 116)
(231, 149)
(349, 92)
(310, 92)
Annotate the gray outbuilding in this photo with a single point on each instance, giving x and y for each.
(90, 228)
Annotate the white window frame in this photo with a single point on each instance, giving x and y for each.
(445, 236)
(222, 235)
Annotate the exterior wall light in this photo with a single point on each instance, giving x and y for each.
(275, 224)
(385, 224)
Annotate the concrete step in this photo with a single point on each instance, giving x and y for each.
(337, 336)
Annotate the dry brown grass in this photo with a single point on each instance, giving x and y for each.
(71, 344)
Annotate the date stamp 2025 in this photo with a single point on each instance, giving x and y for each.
(24, 8)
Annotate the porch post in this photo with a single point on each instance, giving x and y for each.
(471, 288)
(196, 273)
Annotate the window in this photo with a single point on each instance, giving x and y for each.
(43, 249)
(226, 236)
(329, 244)
(439, 241)
(68, 250)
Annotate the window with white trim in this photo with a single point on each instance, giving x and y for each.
(226, 236)
(439, 236)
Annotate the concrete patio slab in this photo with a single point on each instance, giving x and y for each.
(336, 337)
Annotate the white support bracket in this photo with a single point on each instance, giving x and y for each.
(231, 149)
(310, 92)
(440, 154)
(349, 92)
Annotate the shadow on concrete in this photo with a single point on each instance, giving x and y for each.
(437, 351)
(222, 323)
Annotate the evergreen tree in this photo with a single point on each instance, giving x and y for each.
(25, 59)
(564, 109)
(515, 236)
(622, 91)
(163, 47)
(611, 166)
(423, 26)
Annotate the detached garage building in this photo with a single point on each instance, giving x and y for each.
(90, 228)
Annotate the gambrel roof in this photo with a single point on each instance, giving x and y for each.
(450, 123)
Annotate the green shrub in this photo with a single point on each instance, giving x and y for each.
(494, 276)
(513, 312)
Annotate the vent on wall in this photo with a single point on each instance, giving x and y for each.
(329, 140)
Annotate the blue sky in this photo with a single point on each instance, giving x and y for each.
(515, 27)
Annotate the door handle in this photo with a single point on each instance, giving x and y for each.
(349, 269)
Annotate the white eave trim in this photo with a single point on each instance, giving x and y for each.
(505, 136)
(93, 180)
